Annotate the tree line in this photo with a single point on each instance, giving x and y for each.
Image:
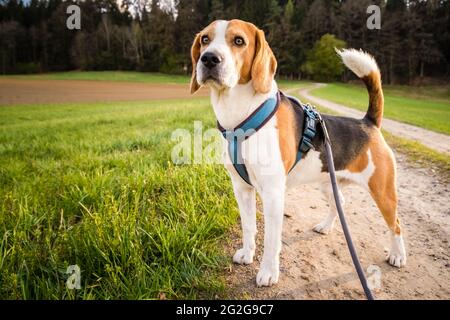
(413, 43)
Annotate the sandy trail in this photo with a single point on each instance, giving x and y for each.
(315, 266)
(437, 141)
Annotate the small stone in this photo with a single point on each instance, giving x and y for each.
(419, 292)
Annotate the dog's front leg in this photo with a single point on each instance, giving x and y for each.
(246, 199)
(273, 206)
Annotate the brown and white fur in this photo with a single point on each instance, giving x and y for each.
(235, 61)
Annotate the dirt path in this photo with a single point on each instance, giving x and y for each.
(25, 91)
(434, 140)
(315, 266)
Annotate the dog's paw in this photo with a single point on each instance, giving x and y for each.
(243, 256)
(325, 227)
(396, 259)
(397, 255)
(267, 276)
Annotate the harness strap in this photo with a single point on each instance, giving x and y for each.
(246, 129)
(311, 118)
(257, 120)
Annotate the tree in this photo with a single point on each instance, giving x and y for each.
(316, 22)
(289, 11)
(322, 62)
(217, 11)
(156, 35)
(190, 20)
(10, 34)
(421, 39)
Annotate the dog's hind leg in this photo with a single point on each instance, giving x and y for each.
(383, 189)
(327, 225)
(246, 199)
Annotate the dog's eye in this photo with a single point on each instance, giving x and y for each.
(239, 41)
(205, 40)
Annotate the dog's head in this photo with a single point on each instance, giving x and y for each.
(227, 53)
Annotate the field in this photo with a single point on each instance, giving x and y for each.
(93, 185)
(425, 107)
(124, 76)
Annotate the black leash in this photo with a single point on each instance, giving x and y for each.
(348, 238)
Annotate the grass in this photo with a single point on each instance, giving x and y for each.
(420, 92)
(420, 155)
(126, 76)
(420, 109)
(93, 185)
(292, 84)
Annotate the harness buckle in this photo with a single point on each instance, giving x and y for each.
(306, 145)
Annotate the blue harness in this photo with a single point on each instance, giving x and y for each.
(256, 121)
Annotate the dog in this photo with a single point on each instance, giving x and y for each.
(235, 61)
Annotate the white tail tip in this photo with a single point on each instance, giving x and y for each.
(360, 62)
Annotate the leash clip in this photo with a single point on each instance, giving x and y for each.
(324, 128)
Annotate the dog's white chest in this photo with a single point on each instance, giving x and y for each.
(307, 170)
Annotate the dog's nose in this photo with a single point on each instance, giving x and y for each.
(210, 60)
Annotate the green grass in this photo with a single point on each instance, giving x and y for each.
(421, 92)
(292, 84)
(126, 76)
(94, 185)
(400, 104)
(129, 76)
(420, 155)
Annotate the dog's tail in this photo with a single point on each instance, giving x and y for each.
(366, 68)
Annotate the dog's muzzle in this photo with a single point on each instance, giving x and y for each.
(211, 69)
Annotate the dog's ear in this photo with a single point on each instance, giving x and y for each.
(195, 55)
(264, 64)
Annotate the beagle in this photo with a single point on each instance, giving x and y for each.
(234, 60)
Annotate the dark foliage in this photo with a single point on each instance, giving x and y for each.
(145, 35)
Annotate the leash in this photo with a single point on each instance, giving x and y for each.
(348, 237)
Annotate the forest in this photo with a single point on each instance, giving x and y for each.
(412, 46)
